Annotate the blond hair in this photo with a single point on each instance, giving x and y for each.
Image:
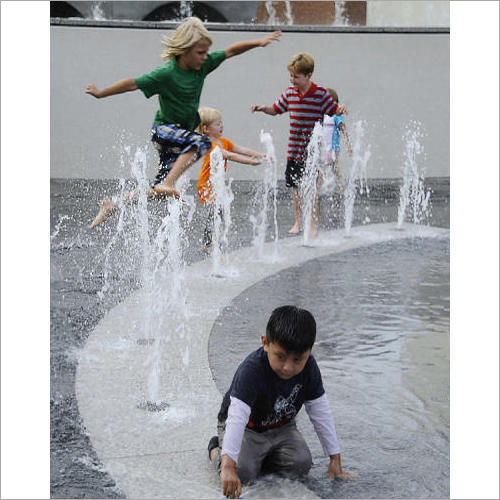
(302, 63)
(207, 117)
(187, 35)
(334, 94)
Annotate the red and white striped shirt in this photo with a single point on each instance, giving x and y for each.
(305, 110)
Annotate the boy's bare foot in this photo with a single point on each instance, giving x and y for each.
(213, 453)
(313, 232)
(163, 190)
(105, 210)
(295, 229)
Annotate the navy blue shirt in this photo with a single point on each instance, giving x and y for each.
(273, 401)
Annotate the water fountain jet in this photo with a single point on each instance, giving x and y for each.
(412, 194)
(267, 192)
(357, 176)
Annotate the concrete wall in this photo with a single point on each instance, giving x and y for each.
(386, 79)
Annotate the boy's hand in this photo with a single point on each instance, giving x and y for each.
(269, 38)
(335, 469)
(231, 484)
(255, 161)
(92, 90)
(342, 109)
(257, 107)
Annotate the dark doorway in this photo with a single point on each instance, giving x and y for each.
(63, 9)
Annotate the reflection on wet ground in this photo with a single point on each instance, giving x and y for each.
(383, 346)
(78, 275)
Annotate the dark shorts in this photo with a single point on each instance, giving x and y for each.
(294, 172)
(172, 141)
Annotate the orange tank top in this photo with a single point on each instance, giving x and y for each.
(205, 194)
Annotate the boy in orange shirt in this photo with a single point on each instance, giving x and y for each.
(212, 126)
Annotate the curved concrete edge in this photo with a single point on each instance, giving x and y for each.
(151, 454)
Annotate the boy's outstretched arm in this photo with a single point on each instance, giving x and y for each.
(343, 129)
(231, 484)
(237, 418)
(247, 151)
(240, 47)
(321, 417)
(268, 110)
(245, 160)
(119, 87)
(335, 469)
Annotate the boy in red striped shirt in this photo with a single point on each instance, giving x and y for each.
(307, 103)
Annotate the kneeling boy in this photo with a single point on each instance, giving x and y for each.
(256, 422)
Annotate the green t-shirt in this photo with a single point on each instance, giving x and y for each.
(178, 90)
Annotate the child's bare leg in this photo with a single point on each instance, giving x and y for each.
(108, 207)
(105, 210)
(297, 210)
(167, 187)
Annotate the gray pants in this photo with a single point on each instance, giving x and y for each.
(282, 451)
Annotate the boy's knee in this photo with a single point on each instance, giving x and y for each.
(294, 462)
(303, 461)
(247, 472)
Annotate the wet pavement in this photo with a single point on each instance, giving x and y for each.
(78, 275)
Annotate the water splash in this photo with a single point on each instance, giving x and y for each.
(166, 289)
(412, 195)
(308, 189)
(266, 195)
(271, 11)
(288, 13)
(152, 250)
(275, 18)
(185, 9)
(97, 11)
(357, 182)
(329, 179)
(341, 18)
(222, 211)
(57, 227)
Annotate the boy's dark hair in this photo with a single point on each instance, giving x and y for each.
(292, 328)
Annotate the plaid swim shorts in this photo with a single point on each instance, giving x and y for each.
(171, 141)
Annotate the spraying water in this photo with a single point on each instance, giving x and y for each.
(274, 17)
(166, 288)
(155, 253)
(288, 13)
(412, 194)
(97, 11)
(186, 9)
(308, 189)
(340, 14)
(357, 177)
(271, 11)
(58, 227)
(138, 170)
(222, 213)
(266, 194)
